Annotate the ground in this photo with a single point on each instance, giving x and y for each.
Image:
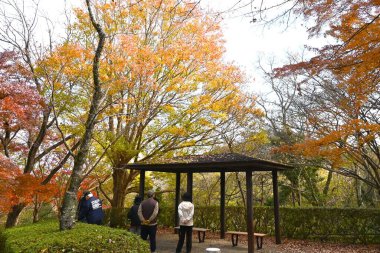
(167, 241)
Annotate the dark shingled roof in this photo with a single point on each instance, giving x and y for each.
(227, 162)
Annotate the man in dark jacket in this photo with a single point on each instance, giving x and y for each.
(81, 206)
(134, 217)
(147, 212)
(91, 209)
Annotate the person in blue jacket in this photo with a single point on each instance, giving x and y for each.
(134, 217)
(90, 209)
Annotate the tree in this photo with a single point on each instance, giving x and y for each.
(169, 89)
(20, 108)
(346, 79)
(344, 73)
(30, 137)
(69, 204)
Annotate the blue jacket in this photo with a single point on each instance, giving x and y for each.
(81, 213)
(92, 211)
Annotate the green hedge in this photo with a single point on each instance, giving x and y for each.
(46, 237)
(349, 225)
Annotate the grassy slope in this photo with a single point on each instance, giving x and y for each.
(46, 237)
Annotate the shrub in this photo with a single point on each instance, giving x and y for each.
(46, 237)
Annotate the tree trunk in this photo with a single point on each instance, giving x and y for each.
(12, 217)
(359, 195)
(240, 189)
(327, 187)
(69, 206)
(293, 198)
(36, 209)
(121, 180)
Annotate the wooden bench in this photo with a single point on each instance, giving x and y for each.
(235, 238)
(201, 238)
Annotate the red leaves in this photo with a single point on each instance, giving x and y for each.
(20, 103)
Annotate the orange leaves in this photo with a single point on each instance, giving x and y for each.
(69, 62)
(336, 145)
(16, 187)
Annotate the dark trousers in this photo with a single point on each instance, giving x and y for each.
(151, 231)
(188, 231)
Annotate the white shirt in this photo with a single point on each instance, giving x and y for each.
(186, 213)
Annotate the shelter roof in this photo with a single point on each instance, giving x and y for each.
(226, 162)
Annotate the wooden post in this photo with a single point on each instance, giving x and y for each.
(251, 243)
(276, 207)
(142, 183)
(222, 204)
(177, 196)
(190, 184)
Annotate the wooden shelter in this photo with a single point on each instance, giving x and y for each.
(222, 163)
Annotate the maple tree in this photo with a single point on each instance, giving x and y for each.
(20, 107)
(27, 134)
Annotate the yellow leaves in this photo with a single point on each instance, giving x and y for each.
(260, 137)
(219, 115)
(58, 86)
(217, 106)
(168, 109)
(189, 143)
(174, 130)
(204, 122)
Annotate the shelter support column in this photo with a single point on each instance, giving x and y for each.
(190, 184)
(142, 183)
(222, 204)
(177, 193)
(276, 207)
(248, 179)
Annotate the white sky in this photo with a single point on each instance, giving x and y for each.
(246, 42)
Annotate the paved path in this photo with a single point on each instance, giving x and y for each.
(166, 243)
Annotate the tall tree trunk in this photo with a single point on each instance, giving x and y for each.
(68, 210)
(120, 184)
(121, 180)
(12, 217)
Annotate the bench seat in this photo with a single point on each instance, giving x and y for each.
(201, 233)
(235, 237)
